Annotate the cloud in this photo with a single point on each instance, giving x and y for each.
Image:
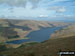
(61, 10)
(43, 16)
(58, 9)
(20, 3)
(60, 0)
(37, 8)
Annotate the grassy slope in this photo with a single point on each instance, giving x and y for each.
(7, 33)
(31, 23)
(65, 32)
(47, 48)
(50, 47)
(23, 27)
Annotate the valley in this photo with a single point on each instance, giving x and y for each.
(19, 29)
(37, 27)
(35, 38)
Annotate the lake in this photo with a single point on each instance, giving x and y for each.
(37, 36)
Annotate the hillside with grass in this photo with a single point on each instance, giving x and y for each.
(65, 32)
(48, 48)
(7, 33)
(18, 29)
(63, 39)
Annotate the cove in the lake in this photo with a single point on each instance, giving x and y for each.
(37, 36)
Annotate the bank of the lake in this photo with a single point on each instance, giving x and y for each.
(37, 36)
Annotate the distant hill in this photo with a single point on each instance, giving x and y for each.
(15, 29)
(65, 32)
(34, 25)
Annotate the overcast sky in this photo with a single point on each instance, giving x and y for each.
(37, 8)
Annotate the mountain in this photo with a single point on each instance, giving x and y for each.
(17, 29)
(64, 41)
(65, 32)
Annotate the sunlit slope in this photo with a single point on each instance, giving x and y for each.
(20, 28)
(65, 32)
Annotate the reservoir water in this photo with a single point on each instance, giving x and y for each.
(37, 36)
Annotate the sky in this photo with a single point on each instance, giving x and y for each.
(37, 8)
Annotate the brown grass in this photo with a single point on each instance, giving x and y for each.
(47, 48)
